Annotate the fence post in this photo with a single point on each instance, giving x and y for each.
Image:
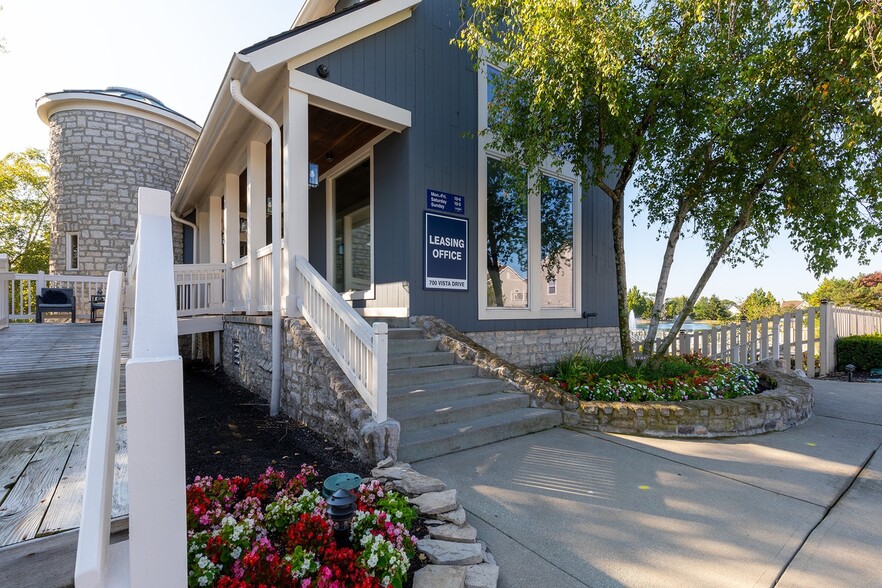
(810, 342)
(776, 337)
(41, 280)
(825, 337)
(797, 339)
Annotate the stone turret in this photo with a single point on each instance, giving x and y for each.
(104, 145)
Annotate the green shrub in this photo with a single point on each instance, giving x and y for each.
(863, 351)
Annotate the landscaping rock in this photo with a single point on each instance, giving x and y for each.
(440, 577)
(459, 533)
(416, 483)
(385, 463)
(451, 553)
(393, 472)
(483, 575)
(457, 517)
(435, 502)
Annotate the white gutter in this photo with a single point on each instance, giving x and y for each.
(236, 93)
(195, 234)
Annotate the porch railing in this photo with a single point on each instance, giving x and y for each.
(154, 399)
(24, 288)
(199, 288)
(264, 269)
(237, 286)
(360, 349)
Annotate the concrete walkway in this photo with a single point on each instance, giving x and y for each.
(797, 508)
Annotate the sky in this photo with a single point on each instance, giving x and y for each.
(178, 52)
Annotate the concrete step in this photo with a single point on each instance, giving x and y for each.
(408, 333)
(422, 415)
(429, 375)
(465, 434)
(402, 346)
(394, 322)
(406, 397)
(416, 360)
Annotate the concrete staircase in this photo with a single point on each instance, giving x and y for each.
(444, 407)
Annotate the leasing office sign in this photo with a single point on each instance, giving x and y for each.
(446, 252)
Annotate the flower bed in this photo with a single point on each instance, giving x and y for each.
(275, 531)
(690, 377)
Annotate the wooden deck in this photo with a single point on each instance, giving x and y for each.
(47, 380)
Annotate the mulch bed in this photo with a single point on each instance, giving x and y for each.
(843, 376)
(229, 432)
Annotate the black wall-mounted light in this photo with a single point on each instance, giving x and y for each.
(323, 71)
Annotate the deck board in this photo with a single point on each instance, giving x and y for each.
(47, 382)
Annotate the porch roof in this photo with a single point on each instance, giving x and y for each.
(261, 69)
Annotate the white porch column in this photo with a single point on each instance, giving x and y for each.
(256, 216)
(214, 250)
(202, 220)
(296, 166)
(231, 229)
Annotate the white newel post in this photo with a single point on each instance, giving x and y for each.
(154, 396)
(380, 359)
(5, 277)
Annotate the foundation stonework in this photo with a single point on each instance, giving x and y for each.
(98, 160)
(315, 391)
(543, 347)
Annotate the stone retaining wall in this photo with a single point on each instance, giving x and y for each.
(543, 347)
(789, 403)
(315, 391)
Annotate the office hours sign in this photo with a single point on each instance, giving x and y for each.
(446, 252)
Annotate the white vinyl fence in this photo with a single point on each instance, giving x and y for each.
(803, 339)
(359, 349)
(199, 288)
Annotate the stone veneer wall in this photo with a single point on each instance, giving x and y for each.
(543, 347)
(315, 391)
(98, 161)
(788, 404)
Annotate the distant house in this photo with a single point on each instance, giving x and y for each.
(791, 305)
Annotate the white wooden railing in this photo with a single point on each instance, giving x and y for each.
(98, 563)
(6, 278)
(157, 545)
(359, 349)
(264, 269)
(199, 288)
(803, 339)
(237, 286)
(23, 290)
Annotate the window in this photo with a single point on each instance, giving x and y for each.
(528, 226)
(72, 251)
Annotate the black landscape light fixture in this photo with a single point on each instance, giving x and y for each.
(341, 508)
(850, 369)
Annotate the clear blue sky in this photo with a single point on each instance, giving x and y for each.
(178, 51)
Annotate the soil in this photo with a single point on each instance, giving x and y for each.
(229, 432)
(843, 376)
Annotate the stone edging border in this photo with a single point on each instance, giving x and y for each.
(788, 404)
(456, 556)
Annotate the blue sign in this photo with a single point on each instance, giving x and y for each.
(313, 175)
(444, 202)
(447, 252)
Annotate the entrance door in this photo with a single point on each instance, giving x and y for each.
(353, 258)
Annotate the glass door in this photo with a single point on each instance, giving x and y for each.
(353, 232)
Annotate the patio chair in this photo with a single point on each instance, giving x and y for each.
(56, 300)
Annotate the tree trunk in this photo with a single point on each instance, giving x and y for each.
(621, 277)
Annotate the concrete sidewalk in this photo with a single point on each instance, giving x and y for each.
(797, 508)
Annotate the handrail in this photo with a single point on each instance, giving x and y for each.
(360, 350)
(92, 543)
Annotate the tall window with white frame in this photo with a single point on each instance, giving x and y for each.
(72, 251)
(529, 227)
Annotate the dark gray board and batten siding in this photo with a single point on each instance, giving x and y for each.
(414, 66)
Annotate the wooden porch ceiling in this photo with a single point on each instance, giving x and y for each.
(334, 137)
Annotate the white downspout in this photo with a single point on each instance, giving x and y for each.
(195, 235)
(236, 92)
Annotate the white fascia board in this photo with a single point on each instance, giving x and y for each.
(327, 37)
(350, 103)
